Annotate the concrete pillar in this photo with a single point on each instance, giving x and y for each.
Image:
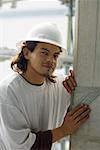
(87, 70)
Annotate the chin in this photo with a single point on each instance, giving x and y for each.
(46, 74)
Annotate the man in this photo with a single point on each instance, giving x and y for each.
(33, 101)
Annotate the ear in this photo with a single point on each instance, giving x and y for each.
(26, 53)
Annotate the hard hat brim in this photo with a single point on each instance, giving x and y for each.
(20, 44)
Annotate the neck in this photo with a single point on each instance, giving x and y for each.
(33, 78)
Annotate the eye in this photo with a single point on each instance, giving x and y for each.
(56, 56)
(44, 53)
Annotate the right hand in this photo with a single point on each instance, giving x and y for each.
(70, 83)
(74, 119)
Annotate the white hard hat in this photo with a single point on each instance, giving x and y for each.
(45, 32)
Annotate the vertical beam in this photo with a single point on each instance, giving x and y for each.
(87, 69)
(97, 54)
(1, 3)
(84, 55)
(14, 3)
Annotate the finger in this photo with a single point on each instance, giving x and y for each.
(69, 84)
(75, 109)
(72, 75)
(82, 116)
(81, 112)
(67, 87)
(82, 121)
(72, 82)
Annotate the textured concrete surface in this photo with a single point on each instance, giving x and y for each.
(87, 69)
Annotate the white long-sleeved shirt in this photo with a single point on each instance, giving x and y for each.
(26, 109)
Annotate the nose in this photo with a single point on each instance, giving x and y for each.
(51, 59)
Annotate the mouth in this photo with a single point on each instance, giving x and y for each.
(48, 66)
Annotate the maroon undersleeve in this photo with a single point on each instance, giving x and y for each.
(43, 141)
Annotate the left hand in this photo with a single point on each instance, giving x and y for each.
(70, 82)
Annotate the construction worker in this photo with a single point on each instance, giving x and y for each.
(33, 101)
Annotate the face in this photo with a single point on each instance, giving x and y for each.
(42, 61)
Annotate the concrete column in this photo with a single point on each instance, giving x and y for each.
(87, 70)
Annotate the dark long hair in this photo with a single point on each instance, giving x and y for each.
(19, 63)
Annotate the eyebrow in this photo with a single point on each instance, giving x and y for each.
(45, 49)
(49, 50)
